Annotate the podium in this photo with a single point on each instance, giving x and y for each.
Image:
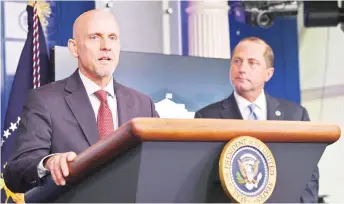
(177, 160)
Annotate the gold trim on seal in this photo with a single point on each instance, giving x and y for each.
(225, 170)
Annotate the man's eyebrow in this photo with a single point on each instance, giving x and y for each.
(114, 34)
(236, 57)
(253, 59)
(96, 33)
(100, 34)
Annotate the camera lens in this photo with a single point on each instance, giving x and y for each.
(264, 20)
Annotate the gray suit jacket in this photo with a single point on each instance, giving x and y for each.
(58, 117)
(228, 109)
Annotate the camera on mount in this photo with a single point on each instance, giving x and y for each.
(262, 13)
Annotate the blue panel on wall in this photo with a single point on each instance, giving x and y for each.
(185, 33)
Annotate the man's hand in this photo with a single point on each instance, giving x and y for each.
(57, 165)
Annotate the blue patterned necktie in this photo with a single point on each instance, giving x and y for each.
(253, 115)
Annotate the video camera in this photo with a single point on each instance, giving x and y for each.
(262, 13)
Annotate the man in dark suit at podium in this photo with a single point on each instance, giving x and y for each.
(64, 118)
(252, 66)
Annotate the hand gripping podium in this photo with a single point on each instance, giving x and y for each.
(177, 160)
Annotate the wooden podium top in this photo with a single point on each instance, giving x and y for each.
(152, 129)
(197, 130)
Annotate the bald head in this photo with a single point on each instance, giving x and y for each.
(96, 45)
(92, 16)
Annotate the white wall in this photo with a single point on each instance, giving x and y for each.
(145, 26)
(322, 84)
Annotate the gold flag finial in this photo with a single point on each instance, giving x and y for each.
(43, 11)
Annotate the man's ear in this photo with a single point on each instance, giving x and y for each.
(269, 73)
(73, 48)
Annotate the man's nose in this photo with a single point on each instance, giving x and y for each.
(105, 45)
(243, 67)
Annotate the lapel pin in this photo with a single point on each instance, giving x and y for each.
(278, 113)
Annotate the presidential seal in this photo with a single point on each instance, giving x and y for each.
(247, 170)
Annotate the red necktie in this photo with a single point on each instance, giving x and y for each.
(104, 118)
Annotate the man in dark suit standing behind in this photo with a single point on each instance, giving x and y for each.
(252, 66)
(64, 118)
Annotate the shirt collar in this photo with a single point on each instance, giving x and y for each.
(92, 87)
(243, 102)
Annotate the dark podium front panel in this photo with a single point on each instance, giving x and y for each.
(158, 172)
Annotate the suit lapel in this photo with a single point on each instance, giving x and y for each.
(81, 107)
(230, 109)
(274, 111)
(124, 103)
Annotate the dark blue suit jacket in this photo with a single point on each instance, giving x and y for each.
(228, 109)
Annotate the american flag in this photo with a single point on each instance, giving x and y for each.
(32, 71)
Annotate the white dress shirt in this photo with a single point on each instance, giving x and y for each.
(91, 88)
(260, 102)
